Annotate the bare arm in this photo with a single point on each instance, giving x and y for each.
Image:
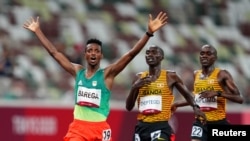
(175, 81)
(181, 103)
(137, 84)
(130, 101)
(231, 91)
(33, 25)
(153, 26)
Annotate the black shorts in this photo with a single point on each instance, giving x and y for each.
(199, 131)
(155, 131)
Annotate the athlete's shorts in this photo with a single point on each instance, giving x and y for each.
(88, 131)
(199, 130)
(156, 131)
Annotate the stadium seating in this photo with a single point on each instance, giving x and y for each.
(119, 24)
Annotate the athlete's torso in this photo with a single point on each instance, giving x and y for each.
(154, 100)
(214, 107)
(91, 97)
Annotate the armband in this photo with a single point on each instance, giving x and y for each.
(149, 34)
(219, 93)
(196, 105)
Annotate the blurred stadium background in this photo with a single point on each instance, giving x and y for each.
(30, 78)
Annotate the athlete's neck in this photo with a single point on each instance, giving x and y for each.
(154, 72)
(207, 71)
(91, 71)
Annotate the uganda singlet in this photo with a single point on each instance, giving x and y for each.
(91, 97)
(154, 100)
(214, 107)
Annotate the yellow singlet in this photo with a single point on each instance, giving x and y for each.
(158, 88)
(211, 83)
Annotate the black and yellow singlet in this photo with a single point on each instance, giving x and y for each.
(165, 98)
(218, 112)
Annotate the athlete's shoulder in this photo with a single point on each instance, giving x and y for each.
(224, 72)
(80, 71)
(196, 71)
(138, 74)
(221, 69)
(170, 71)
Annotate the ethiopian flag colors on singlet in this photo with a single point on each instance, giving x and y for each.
(91, 97)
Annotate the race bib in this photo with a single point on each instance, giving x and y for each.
(206, 104)
(196, 131)
(106, 135)
(88, 97)
(155, 135)
(151, 104)
(137, 137)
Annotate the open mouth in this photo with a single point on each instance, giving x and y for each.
(150, 59)
(204, 61)
(92, 59)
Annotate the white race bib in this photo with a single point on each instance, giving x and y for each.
(88, 97)
(206, 104)
(150, 104)
(197, 131)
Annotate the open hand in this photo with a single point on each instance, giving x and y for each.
(158, 22)
(32, 24)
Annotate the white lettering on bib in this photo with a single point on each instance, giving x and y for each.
(88, 97)
(151, 104)
(206, 104)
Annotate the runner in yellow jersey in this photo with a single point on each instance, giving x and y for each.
(153, 90)
(212, 86)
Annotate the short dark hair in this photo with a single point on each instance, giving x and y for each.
(159, 49)
(95, 41)
(212, 47)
